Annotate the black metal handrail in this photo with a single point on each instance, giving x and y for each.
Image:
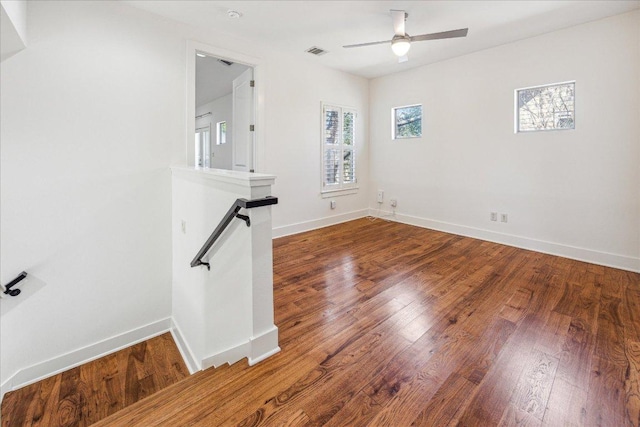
(15, 292)
(226, 220)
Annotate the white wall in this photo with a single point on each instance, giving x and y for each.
(93, 113)
(89, 113)
(295, 91)
(221, 110)
(575, 193)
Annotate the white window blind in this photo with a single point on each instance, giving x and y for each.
(338, 148)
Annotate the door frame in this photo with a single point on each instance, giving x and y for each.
(257, 64)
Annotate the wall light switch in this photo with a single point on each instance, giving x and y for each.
(333, 204)
(494, 216)
(503, 218)
(183, 226)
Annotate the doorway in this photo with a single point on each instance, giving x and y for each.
(224, 104)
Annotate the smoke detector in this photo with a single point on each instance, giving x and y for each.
(233, 14)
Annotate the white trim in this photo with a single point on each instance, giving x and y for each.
(256, 349)
(230, 355)
(327, 194)
(244, 179)
(254, 360)
(185, 351)
(4, 389)
(264, 345)
(259, 77)
(566, 251)
(314, 224)
(64, 362)
(546, 85)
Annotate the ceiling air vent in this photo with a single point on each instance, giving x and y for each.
(227, 63)
(316, 51)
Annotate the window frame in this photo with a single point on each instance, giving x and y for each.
(341, 188)
(516, 110)
(218, 134)
(394, 125)
(202, 139)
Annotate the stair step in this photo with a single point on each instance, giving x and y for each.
(88, 393)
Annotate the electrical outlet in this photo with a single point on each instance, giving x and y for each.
(494, 216)
(503, 218)
(393, 203)
(380, 196)
(333, 204)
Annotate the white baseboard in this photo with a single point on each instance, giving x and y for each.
(256, 349)
(264, 346)
(314, 224)
(566, 251)
(64, 362)
(185, 351)
(230, 355)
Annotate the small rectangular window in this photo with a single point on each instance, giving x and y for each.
(549, 107)
(407, 122)
(338, 148)
(221, 131)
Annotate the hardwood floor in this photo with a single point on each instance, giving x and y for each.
(93, 391)
(387, 324)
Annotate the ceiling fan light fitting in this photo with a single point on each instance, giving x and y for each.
(400, 45)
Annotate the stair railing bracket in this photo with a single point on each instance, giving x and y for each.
(15, 292)
(245, 218)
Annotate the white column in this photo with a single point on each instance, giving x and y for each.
(225, 314)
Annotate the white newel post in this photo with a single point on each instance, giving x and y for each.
(225, 314)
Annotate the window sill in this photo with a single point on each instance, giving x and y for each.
(336, 193)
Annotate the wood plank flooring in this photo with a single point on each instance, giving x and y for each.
(385, 324)
(93, 391)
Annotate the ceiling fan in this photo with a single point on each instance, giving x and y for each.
(401, 41)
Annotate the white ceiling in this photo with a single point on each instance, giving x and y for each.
(214, 79)
(294, 26)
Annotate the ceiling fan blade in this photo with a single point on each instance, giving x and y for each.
(398, 21)
(366, 44)
(403, 59)
(443, 35)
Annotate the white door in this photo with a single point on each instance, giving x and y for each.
(242, 142)
(203, 147)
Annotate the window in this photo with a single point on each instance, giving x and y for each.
(407, 122)
(338, 148)
(549, 107)
(221, 131)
